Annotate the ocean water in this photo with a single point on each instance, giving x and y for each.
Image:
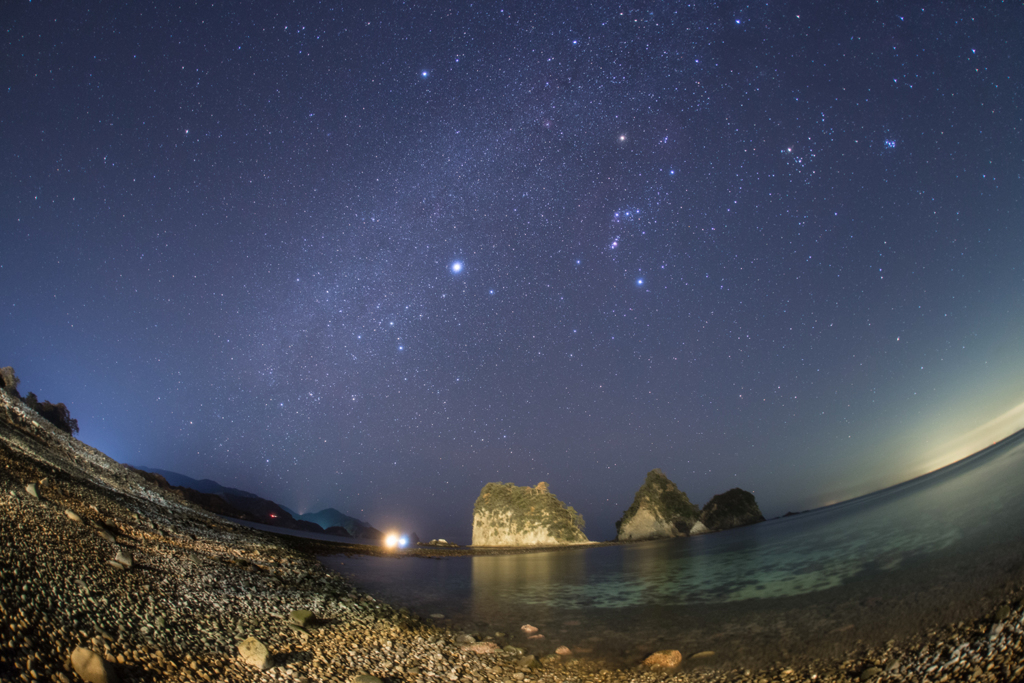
(938, 549)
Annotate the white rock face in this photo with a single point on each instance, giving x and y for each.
(698, 528)
(646, 524)
(495, 528)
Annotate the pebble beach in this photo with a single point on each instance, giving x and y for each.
(104, 577)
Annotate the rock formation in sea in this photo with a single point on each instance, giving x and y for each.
(510, 515)
(659, 510)
(733, 508)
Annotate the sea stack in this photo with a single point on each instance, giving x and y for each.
(510, 515)
(659, 510)
(733, 508)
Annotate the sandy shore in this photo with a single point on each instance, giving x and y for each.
(198, 586)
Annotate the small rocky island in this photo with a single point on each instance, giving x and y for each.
(510, 515)
(661, 510)
(731, 509)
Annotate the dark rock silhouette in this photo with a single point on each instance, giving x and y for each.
(733, 508)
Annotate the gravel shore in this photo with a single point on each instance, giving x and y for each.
(140, 586)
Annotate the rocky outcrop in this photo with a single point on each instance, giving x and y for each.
(733, 508)
(9, 381)
(510, 515)
(659, 510)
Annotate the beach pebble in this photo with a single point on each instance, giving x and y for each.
(484, 648)
(563, 651)
(664, 659)
(106, 535)
(301, 617)
(124, 558)
(869, 673)
(73, 516)
(32, 490)
(528, 629)
(437, 615)
(91, 667)
(255, 654)
(464, 639)
(704, 654)
(1002, 613)
(527, 662)
(365, 678)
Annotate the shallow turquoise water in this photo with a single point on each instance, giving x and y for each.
(938, 548)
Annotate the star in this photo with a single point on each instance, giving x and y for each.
(456, 267)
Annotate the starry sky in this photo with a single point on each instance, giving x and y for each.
(374, 255)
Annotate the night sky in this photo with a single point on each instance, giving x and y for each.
(373, 256)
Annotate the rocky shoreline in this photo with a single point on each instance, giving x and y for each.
(157, 589)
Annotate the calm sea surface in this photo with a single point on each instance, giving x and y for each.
(937, 549)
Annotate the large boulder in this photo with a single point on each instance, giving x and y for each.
(659, 510)
(733, 508)
(510, 515)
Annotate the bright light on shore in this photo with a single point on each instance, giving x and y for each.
(394, 541)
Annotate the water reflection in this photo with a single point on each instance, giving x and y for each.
(931, 549)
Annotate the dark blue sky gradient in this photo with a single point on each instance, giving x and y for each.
(775, 246)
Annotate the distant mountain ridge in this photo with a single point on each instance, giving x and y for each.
(232, 502)
(329, 518)
(201, 485)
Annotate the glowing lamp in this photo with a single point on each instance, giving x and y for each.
(395, 542)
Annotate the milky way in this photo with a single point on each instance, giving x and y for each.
(375, 256)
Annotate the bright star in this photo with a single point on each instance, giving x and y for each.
(424, 74)
(456, 267)
(640, 282)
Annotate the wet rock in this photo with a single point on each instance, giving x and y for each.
(301, 617)
(869, 673)
(528, 629)
(91, 667)
(73, 516)
(1002, 613)
(563, 651)
(255, 654)
(106, 535)
(664, 659)
(527, 663)
(484, 648)
(31, 489)
(703, 654)
(464, 639)
(365, 678)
